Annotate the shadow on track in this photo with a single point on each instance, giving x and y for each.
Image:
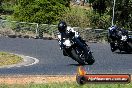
(118, 52)
(77, 65)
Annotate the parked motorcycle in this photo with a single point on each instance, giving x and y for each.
(120, 41)
(77, 50)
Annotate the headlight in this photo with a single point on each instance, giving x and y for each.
(67, 43)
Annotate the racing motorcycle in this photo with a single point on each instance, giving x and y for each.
(122, 42)
(77, 50)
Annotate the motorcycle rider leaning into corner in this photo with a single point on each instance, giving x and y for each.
(115, 34)
(65, 32)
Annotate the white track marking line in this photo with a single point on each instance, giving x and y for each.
(35, 61)
(25, 59)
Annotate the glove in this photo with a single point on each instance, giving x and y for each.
(61, 46)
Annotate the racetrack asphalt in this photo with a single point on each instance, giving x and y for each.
(52, 61)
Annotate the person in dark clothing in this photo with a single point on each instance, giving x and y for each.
(115, 34)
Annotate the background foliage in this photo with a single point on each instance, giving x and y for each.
(96, 13)
(40, 11)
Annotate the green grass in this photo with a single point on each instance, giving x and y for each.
(9, 59)
(67, 85)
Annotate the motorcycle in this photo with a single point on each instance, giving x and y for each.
(122, 42)
(77, 50)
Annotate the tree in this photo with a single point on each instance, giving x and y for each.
(0, 6)
(123, 13)
(99, 6)
(91, 1)
(40, 11)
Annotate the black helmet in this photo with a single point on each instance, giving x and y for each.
(113, 29)
(62, 26)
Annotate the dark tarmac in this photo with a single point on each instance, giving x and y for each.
(52, 61)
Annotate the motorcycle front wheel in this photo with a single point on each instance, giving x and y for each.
(77, 58)
(90, 59)
(88, 56)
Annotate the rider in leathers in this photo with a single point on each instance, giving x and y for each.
(66, 32)
(115, 34)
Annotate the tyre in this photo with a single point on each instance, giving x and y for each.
(90, 59)
(76, 57)
(113, 47)
(88, 55)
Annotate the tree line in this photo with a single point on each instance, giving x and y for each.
(51, 11)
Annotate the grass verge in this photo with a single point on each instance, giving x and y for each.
(66, 85)
(9, 59)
